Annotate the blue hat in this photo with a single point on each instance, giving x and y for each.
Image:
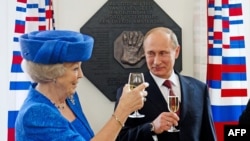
(56, 46)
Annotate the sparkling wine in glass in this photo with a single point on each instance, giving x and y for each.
(173, 106)
(134, 80)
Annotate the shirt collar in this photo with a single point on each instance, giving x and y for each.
(173, 78)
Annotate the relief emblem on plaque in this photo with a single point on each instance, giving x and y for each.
(128, 49)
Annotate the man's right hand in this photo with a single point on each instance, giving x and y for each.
(164, 122)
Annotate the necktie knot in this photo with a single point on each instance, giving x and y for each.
(167, 83)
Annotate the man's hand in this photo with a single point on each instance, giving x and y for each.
(164, 122)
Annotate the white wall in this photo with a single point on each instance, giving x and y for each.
(7, 11)
(72, 14)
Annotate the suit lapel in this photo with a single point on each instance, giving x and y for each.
(157, 100)
(187, 91)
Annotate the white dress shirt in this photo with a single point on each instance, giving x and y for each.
(174, 82)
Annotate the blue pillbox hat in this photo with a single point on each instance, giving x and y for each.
(56, 46)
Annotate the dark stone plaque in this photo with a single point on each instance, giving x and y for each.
(110, 26)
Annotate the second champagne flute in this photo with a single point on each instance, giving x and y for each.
(134, 80)
(173, 106)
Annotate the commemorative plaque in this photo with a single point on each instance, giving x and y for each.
(116, 27)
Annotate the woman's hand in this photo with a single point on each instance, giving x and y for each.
(132, 100)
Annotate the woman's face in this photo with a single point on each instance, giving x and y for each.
(69, 80)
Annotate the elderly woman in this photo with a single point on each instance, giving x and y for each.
(52, 109)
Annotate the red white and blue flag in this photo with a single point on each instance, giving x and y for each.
(222, 49)
(31, 15)
(227, 60)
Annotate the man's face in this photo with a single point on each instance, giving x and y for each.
(160, 54)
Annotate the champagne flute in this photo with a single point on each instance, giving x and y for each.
(134, 80)
(173, 106)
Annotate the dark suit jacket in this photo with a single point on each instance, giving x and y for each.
(196, 123)
(244, 119)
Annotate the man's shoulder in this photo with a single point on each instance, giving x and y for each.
(191, 79)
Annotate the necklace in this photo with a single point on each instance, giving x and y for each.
(60, 106)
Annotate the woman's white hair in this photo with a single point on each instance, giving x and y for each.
(42, 73)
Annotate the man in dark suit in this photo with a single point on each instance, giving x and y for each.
(194, 119)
